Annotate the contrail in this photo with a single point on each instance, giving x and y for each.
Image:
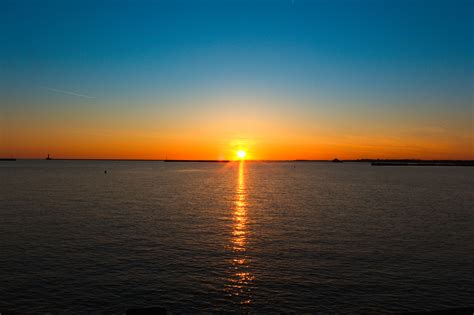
(70, 93)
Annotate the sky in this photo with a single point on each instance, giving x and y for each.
(280, 79)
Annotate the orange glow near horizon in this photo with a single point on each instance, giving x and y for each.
(262, 134)
(123, 147)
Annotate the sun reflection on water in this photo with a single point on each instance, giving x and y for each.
(241, 277)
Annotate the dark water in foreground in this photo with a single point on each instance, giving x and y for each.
(260, 237)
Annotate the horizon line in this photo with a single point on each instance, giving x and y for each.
(238, 160)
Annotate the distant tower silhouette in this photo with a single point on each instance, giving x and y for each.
(48, 157)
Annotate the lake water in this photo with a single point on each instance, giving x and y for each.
(260, 237)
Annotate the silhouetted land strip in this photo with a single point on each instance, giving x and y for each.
(118, 160)
(422, 163)
(204, 161)
(141, 160)
(308, 161)
(375, 162)
(400, 162)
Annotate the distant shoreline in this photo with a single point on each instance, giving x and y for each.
(423, 163)
(373, 162)
(199, 161)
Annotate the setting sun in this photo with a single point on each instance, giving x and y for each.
(241, 154)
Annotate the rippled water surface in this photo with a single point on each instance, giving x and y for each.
(259, 237)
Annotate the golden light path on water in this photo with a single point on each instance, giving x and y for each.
(241, 277)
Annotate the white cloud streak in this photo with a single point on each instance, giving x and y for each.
(70, 93)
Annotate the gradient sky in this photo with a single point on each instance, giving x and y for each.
(288, 79)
